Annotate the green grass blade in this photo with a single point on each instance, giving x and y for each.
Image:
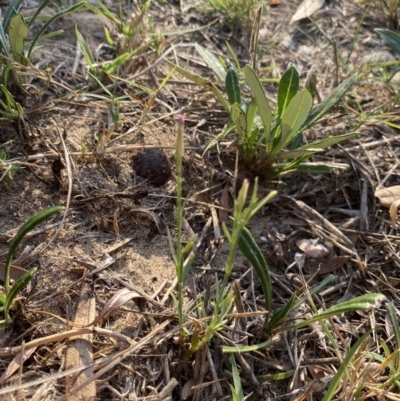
(365, 302)
(328, 103)
(261, 99)
(4, 43)
(212, 62)
(252, 252)
(288, 87)
(320, 168)
(391, 310)
(325, 143)
(201, 81)
(21, 283)
(238, 391)
(390, 37)
(280, 314)
(28, 226)
(12, 9)
(232, 87)
(42, 5)
(246, 348)
(343, 367)
(276, 376)
(85, 50)
(69, 10)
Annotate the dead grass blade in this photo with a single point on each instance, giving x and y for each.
(80, 351)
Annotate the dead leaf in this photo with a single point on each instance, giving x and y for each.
(15, 271)
(325, 266)
(187, 390)
(311, 248)
(393, 211)
(119, 299)
(306, 9)
(387, 196)
(15, 364)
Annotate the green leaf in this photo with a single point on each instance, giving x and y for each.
(26, 227)
(238, 391)
(69, 10)
(261, 99)
(390, 37)
(292, 119)
(250, 115)
(320, 168)
(328, 103)
(276, 376)
(85, 49)
(17, 34)
(343, 367)
(21, 283)
(247, 348)
(3, 42)
(212, 62)
(365, 302)
(288, 87)
(252, 252)
(11, 11)
(232, 87)
(239, 119)
(280, 314)
(201, 81)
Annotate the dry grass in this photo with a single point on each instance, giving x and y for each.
(113, 237)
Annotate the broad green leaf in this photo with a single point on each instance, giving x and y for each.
(365, 302)
(17, 34)
(344, 366)
(239, 119)
(292, 119)
(247, 348)
(261, 99)
(201, 81)
(212, 62)
(317, 112)
(252, 252)
(250, 116)
(390, 37)
(288, 87)
(232, 87)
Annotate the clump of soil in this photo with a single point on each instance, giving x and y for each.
(153, 165)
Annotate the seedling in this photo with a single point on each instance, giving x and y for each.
(270, 141)
(10, 293)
